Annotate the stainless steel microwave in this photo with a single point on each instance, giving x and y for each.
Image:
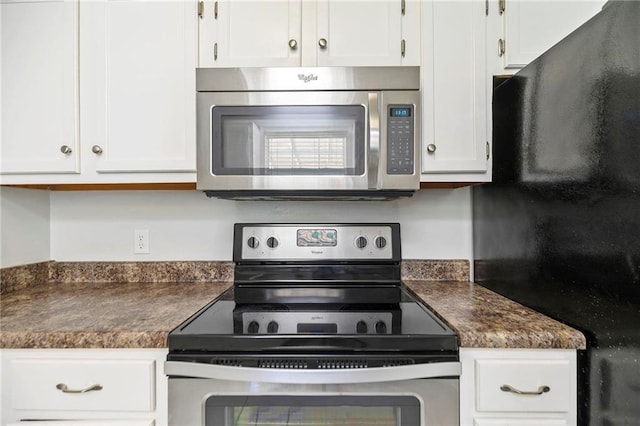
(308, 133)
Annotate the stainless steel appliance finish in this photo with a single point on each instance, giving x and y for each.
(307, 79)
(311, 242)
(317, 329)
(420, 396)
(308, 133)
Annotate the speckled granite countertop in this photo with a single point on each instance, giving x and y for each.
(484, 319)
(140, 315)
(99, 315)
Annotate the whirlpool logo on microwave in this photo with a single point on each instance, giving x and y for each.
(307, 77)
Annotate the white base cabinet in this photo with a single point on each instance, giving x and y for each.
(518, 387)
(85, 423)
(98, 386)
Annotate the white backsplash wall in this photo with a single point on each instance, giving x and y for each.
(24, 226)
(186, 225)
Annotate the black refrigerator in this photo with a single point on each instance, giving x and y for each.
(558, 229)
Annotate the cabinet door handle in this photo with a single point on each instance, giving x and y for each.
(322, 43)
(96, 149)
(65, 389)
(66, 149)
(540, 391)
(293, 44)
(431, 148)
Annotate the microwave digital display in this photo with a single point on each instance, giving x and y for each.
(401, 112)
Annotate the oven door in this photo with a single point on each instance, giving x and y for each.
(211, 395)
(287, 141)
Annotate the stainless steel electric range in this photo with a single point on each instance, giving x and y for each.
(316, 330)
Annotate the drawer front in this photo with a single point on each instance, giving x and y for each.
(85, 423)
(126, 385)
(527, 376)
(519, 422)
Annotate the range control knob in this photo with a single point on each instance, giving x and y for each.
(361, 242)
(380, 242)
(272, 327)
(381, 327)
(253, 327)
(272, 242)
(361, 327)
(253, 242)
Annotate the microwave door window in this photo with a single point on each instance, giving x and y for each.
(317, 147)
(277, 140)
(242, 138)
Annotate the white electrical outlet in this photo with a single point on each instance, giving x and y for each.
(141, 241)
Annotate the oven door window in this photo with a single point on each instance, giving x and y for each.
(288, 140)
(313, 410)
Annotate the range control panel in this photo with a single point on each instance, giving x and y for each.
(301, 322)
(400, 140)
(316, 242)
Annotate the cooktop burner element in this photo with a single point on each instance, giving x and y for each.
(308, 293)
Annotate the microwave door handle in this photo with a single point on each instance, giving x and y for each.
(374, 141)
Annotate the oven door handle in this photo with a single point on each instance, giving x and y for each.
(277, 375)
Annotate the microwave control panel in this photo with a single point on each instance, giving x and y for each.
(400, 144)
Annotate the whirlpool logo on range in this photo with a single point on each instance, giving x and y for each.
(307, 77)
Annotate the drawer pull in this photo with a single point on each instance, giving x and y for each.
(540, 391)
(65, 389)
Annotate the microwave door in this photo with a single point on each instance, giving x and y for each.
(283, 141)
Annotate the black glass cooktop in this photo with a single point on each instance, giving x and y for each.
(224, 327)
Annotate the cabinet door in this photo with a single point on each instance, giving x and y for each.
(454, 92)
(251, 33)
(359, 33)
(39, 73)
(532, 27)
(138, 64)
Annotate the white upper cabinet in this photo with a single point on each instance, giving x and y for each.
(252, 33)
(39, 94)
(308, 33)
(454, 92)
(138, 63)
(353, 33)
(526, 29)
(98, 91)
